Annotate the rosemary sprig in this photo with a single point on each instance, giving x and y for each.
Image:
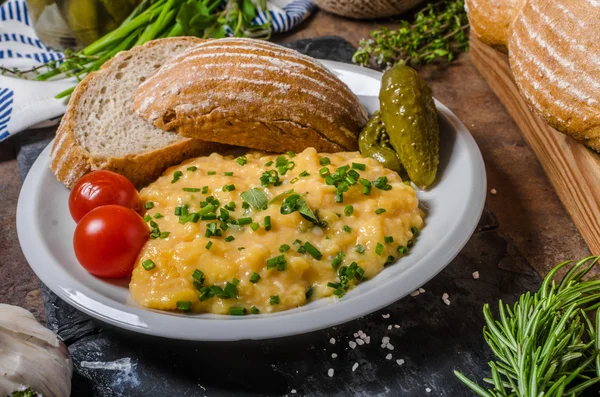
(154, 19)
(437, 31)
(546, 344)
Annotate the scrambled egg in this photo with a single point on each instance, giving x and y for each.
(265, 233)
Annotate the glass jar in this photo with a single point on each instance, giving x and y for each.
(73, 24)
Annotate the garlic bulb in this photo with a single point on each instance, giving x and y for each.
(31, 356)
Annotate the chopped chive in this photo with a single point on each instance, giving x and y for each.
(337, 260)
(153, 224)
(359, 166)
(324, 173)
(254, 310)
(359, 273)
(158, 215)
(324, 161)
(284, 248)
(359, 248)
(278, 262)
(379, 211)
(176, 176)
(414, 230)
(164, 234)
(178, 211)
(294, 180)
(230, 206)
(229, 188)
(198, 275)
(267, 223)
(149, 205)
(388, 239)
(211, 173)
(229, 239)
(268, 163)
(304, 173)
(309, 292)
(148, 264)
(230, 290)
(348, 210)
(244, 221)
(195, 217)
(409, 243)
(228, 173)
(204, 189)
(208, 245)
(339, 198)
(254, 278)
(254, 226)
(366, 190)
(379, 249)
(296, 242)
(382, 183)
(347, 229)
(185, 306)
(313, 251)
(291, 154)
(237, 311)
(191, 189)
(242, 160)
(402, 249)
(147, 218)
(205, 293)
(333, 285)
(245, 205)
(192, 168)
(274, 300)
(390, 259)
(241, 248)
(209, 217)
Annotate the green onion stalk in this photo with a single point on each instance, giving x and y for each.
(547, 344)
(155, 19)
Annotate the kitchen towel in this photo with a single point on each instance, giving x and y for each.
(27, 103)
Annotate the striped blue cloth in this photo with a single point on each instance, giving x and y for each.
(29, 104)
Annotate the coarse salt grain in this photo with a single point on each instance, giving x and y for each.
(368, 340)
(475, 275)
(383, 345)
(360, 342)
(390, 346)
(385, 339)
(389, 356)
(355, 335)
(445, 296)
(400, 361)
(354, 367)
(421, 290)
(387, 315)
(415, 293)
(396, 326)
(333, 355)
(389, 327)
(493, 191)
(332, 341)
(352, 344)
(293, 391)
(330, 372)
(428, 390)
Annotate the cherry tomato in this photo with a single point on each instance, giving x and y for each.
(108, 240)
(100, 188)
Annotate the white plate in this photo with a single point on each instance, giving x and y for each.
(453, 207)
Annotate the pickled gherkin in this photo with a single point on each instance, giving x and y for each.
(374, 142)
(410, 118)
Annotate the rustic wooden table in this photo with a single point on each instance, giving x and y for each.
(524, 202)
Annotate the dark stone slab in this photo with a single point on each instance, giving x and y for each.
(432, 338)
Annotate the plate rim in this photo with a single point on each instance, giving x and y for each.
(259, 327)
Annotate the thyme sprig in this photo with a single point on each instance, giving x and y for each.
(154, 19)
(547, 344)
(437, 31)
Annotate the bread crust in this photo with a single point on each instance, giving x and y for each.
(255, 94)
(367, 9)
(553, 52)
(70, 160)
(490, 20)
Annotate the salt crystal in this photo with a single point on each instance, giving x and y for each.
(400, 361)
(360, 332)
(447, 302)
(445, 296)
(396, 326)
(333, 355)
(421, 290)
(368, 340)
(293, 391)
(428, 390)
(476, 275)
(352, 344)
(355, 335)
(332, 341)
(330, 372)
(383, 345)
(360, 342)
(387, 315)
(385, 339)
(415, 293)
(389, 356)
(389, 327)
(493, 191)
(354, 367)
(390, 346)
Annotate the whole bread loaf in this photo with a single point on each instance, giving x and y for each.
(255, 94)
(490, 20)
(367, 9)
(100, 130)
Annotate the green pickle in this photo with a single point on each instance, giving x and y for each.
(374, 142)
(410, 118)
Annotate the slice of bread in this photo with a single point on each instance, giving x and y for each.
(100, 129)
(255, 94)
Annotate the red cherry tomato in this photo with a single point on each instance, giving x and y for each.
(100, 188)
(108, 240)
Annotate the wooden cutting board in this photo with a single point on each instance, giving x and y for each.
(573, 170)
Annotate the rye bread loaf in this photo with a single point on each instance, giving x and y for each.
(490, 20)
(255, 94)
(100, 130)
(367, 9)
(554, 53)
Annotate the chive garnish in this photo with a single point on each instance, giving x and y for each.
(191, 189)
(347, 229)
(237, 311)
(274, 300)
(198, 275)
(309, 293)
(278, 262)
(254, 226)
(228, 173)
(414, 230)
(348, 210)
(229, 188)
(333, 285)
(158, 215)
(164, 234)
(204, 189)
(313, 251)
(388, 239)
(195, 217)
(339, 198)
(148, 264)
(294, 180)
(382, 183)
(402, 249)
(379, 211)
(208, 245)
(325, 173)
(230, 206)
(149, 205)
(366, 190)
(242, 160)
(267, 222)
(254, 278)
(192, 168)
(379, 249)
(269, 163)
(337, 260)
(390, 259)
(185, 306)
(324, 161)
(359, 248)
(359, 166)
(229, 239)
(291, 154)
(211, 173)
(176, 176)
(244, 221)
(230, 289)
(245, 205)
(409, 243)
(254, 310)
(304, 173)
(206, 293)
(147, 218)
(284, 248)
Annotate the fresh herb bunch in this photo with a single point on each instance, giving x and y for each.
(438, 31)
(547, 344)
(154, 19)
